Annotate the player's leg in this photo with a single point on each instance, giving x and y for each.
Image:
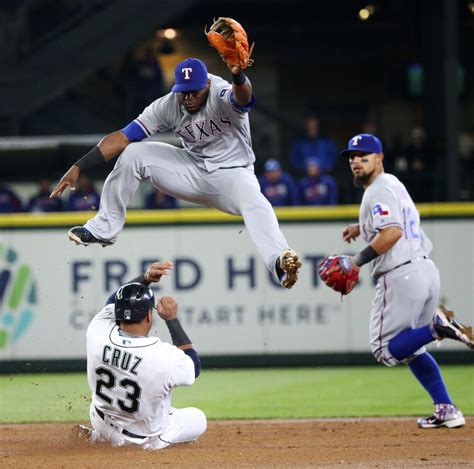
(237, 191)
(425, 368)
(399, 332)
(162, 163)
(185, 425)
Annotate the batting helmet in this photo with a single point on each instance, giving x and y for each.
(132, 302)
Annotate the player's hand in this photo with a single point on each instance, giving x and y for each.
(68, 180)
(157, 269)
(234, 69)
(351, 233)
(167, 308)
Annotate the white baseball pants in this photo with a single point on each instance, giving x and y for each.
(171, 170)
(185, 425)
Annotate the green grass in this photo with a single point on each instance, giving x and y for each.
(250, 393)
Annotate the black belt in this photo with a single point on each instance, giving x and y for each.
(125, 432)
(377, 276)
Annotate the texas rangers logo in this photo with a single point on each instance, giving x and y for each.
(355, 140)
(380, 210)
(187, 72)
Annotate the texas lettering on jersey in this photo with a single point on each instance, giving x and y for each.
(203, 130)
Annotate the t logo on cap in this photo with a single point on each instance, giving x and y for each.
(190, 75)
(356, 139)
(186, 72)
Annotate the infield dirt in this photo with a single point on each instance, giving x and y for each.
(265, 443)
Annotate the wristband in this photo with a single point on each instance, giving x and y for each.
(141, 279)
(92, 158)
(239, 79)
(366, 255)
(178, 336)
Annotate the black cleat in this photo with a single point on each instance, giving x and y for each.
(445, 326)
(81, 235)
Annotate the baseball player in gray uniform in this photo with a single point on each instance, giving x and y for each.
(404, 316)
(131, 374)
(214, 167)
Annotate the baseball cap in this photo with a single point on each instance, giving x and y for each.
(312, 160)
(190, 75)
(271, 165)
(363, 142)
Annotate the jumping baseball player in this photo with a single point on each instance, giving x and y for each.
(404, 315)
(131, 375)
(214, 167)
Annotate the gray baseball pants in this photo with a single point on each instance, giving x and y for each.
(171, 170)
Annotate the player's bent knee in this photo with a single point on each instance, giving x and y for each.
(199, 420)
(383, 356)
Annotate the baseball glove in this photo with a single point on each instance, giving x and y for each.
(230, 40)
(344, 276)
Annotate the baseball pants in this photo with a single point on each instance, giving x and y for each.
(405, 298)
(184, 425)
(171, 170)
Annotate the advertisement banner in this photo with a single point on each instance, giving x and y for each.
(229, 303)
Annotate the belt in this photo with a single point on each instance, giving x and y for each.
(377, 276)
(125, 432)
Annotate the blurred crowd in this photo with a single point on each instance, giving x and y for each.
(312, 174)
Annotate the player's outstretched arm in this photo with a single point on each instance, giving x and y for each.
(154, 273)
(241, 85)
(109, 147)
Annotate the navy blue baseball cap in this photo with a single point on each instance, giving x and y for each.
(363, 142)
(190, 75)
(272, 165)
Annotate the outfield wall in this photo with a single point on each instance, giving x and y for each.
(229, 305)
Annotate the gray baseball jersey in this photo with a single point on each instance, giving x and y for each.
(386, 203)
(214, 167)
(218, 135)
(406, 293)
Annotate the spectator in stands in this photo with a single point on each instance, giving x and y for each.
(41, 202)
(313, 145)
(277, 186)
(9, 201)
(317, 188)
(84, 197)
(415, 165)
(466, 152)
(419, 154)
(159, 200)
(144, 77)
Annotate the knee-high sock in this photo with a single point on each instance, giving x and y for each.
(409, 341)
(427, 372)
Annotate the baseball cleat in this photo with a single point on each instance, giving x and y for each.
(84, 432)
(290, 264)
(445, 415)
(445, 325)
(81, 235)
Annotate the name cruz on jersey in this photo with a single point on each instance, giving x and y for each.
(118, 358)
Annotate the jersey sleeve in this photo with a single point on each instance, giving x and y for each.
(182, 371)
(152, 120)
(226, 96)
(385, 210)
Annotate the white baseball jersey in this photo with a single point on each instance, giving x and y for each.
(217, 136)
(131, 378)
(386, 203)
